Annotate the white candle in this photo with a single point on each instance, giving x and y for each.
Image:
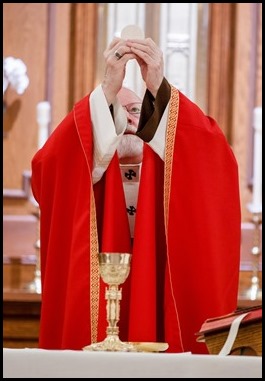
(43, 120)
(257, 159)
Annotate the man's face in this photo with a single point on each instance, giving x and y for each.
(130, 149)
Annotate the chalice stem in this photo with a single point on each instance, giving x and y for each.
(113, 297)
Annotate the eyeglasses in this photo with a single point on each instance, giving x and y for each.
(133, 108)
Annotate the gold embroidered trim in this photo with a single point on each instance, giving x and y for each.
(170, 141)
(94, 263)
(169, 150)
(94, 271)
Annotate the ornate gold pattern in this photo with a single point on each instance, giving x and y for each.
(94, 271)
(170, 141)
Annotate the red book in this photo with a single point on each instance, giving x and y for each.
(224, 322)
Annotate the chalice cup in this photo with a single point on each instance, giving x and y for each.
(114, 269)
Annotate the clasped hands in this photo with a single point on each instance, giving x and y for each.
(149, 57)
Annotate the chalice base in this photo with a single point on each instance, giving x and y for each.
(111, 343)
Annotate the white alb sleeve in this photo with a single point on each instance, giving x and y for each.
(106, 133)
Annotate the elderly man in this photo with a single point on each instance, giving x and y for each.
(156, 179)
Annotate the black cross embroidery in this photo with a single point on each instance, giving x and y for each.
(129, 175)
(131, 210)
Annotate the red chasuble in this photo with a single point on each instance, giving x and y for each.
(186, 250)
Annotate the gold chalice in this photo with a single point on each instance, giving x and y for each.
(114, 269)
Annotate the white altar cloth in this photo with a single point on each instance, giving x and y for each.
(40, 363)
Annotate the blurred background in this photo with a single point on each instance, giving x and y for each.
(213, 54)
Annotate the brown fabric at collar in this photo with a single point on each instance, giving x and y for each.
(152, 111)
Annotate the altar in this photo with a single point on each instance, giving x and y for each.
(40, 363)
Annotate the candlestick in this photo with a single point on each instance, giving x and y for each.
(43, 120)
(257, 162)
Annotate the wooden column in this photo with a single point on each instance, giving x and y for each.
(83, 50)
(221, 54)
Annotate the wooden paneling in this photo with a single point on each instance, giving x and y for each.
(24, 37)
(235, 78)
(20, 235)
(21, 317)
(39, 34)
(246, 69)
(58, 75)
(21, 304)
(47, 37)
(18, 272)
(83, 50)
(221, 54)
